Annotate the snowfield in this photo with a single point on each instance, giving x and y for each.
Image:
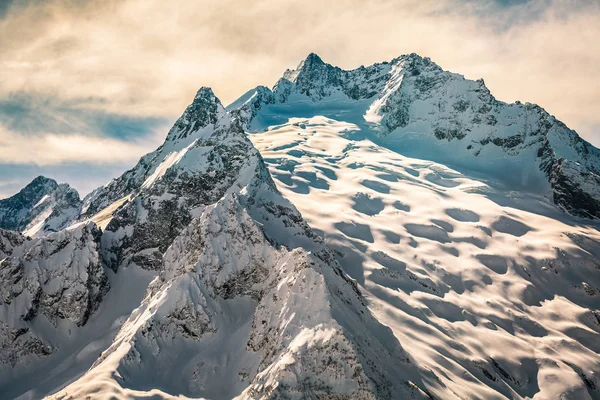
(390, 232)
(493, 292)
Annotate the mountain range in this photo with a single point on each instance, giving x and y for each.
(391, 232)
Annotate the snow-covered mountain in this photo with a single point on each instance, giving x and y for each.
(245, 292)
(193, 275)
(476, 268)
(41, 207)
(412, 106)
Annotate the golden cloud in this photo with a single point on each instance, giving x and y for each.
(148, 57)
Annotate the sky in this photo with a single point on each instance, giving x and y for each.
(89, 86)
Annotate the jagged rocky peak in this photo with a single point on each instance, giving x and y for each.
(205, 109)
(308, 69)
(414, 63)
(205, 156)
(202, 120)
(311, 61)
(315, 78)
(41, 184)
(244, 109)
(27, 198)
(40, 207)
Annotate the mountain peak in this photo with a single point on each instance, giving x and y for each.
(42, 180)
(310, 62)
(43, 205)
(206, 109)
(309, 69)
(35, 190)
(206, 93)
(313, 58)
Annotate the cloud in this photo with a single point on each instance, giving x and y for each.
(148, 57)
(8, 186)
(29, 114)
(52, 149)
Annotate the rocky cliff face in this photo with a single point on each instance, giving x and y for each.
(55, 277)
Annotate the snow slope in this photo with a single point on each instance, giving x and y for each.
(494, 291)
(461, 263)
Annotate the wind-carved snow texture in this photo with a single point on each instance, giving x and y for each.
(493, 292)
(426, 276)
(459, 266)
(41, 207)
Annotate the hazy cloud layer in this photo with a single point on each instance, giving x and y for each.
(32, 114)
(85, 161)
(146, 58)
(51, 148)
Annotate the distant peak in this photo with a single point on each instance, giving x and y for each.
(414, 56)
(308, 68)
(311, 62)
(262, 89)
(206, 93)
(313, 58)
(42, 181)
